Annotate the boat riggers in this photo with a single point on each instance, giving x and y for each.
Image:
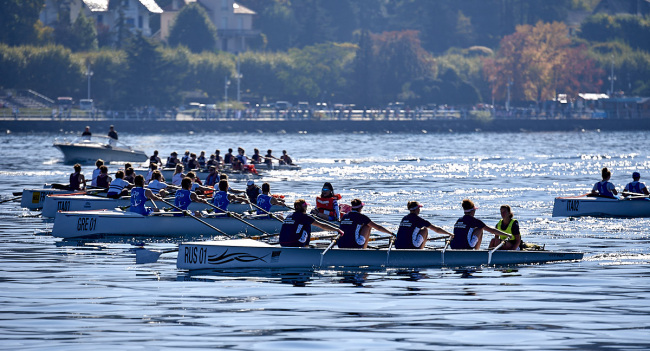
(12, 199)
(188, 214)
(235, 216)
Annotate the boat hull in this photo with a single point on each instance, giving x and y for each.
(53, 204)
(88, 154)
(248, 253)
(104, 222)
(167, 173)
(600, 207)
(34, 199)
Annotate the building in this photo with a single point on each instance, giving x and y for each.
(106, 13)
(234, 22)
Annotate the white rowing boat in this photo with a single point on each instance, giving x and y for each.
(53, 204)
(87, 149)
(601, 207)
(33, 199)
(105, 222)
(167, 173)
(247, 253)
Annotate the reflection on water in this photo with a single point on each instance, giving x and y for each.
(81, 294)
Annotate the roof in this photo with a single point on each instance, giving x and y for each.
(593, 96)
(241, 10)
(102, 5)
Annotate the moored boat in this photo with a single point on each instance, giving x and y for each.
(87, 149)
(106, 222)
(53, 204)
(247, 253)
(601, 206)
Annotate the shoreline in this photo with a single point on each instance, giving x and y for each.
(325, 126)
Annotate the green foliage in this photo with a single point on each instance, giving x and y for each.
(209, 72)
(630, 29)
(108, 67)
(80, 36)
(17, 21)
(193, 29)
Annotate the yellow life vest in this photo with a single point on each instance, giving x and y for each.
(507, 230)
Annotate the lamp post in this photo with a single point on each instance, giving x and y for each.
(510, 82)
(239, 77)
(226, 84)
(611, 78)
(89, 74)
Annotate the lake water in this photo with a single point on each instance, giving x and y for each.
(76, 295)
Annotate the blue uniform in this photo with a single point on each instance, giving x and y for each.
(407, 234)
(296, 230)
(220, 200)
(351, 225)
(264, 201)
(633, 187)
(182, 199)
(138, 200)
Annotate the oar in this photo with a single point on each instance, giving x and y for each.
(18, 193)
(267, 212)
(438, 237)
(12, 199)
(445, 249)
(149, 256)
(235, 216)
(187, 213)
(322, 255)
(492, 251)
(390, 246)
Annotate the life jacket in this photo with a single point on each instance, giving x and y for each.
(250, 168)
(507, 230)
(326, 204)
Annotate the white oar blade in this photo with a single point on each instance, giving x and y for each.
(144, 256)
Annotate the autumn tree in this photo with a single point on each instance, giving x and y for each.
(538, 62)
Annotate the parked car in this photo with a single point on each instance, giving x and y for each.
(283, 105)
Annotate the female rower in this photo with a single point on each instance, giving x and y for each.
(99, 163)
(140, 195)
(178, 176)
(296, 229)
(327, 205)
(201, 159)
(509, 225)
(172, 160)
(185, 196)
(119, 187)
(103, 179)
(256, 158)
(356, 228)
(468, 231)
(268, 158)
(413, 231)
(604, 188)
(77, 180)
(193, 163)
(156, 185)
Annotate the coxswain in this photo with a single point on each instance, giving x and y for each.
(468, 230)
(327, 205)
(413, 231)
(635, 187)
(156, 185)
(252, 191)
(119, 187)
(256, 158)
(77, 179)
(227, 158)
(201, 159)
(185, 196)
(99, 163)
(510, 225)
(103, 179)
(265, 200)
(222, 199)
(356, 228)
(186, 158)
(112, 133)
(155, 159)
(193, 163)
(285, 159)
(172, 160)
(178, 176)
(213, 177)
(604, 188)
(140, 195)
(296, 229)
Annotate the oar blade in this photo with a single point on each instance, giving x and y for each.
(144, 256)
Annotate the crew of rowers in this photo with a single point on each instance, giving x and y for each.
(606, 189)
(239, 162)
(413, 232)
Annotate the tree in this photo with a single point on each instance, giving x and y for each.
(535, 61)
(363, 80)
(17, 21)
(80, 36)
(193, 29)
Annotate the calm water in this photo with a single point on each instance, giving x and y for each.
(71, 295)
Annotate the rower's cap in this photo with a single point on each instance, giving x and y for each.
(250, 182)
(468, 206)
(356, 204)
(636, 175)
(413, 205)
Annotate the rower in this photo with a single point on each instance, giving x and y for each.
(193, 163)
(129, 175)
(201, 160)
(268, 158)
(118, 187)
(241, 156)
(356, 228)
(77, 180)
(156, 185)
(172, 160)
(152, 168)
(212, 162)
(296, 229)
(508, 224)
(468, 231)
(413, 230)
(265, 200)
(186, 158)
(196, 184)
(99, 163)
(185, 196)
(227, 158)
(155, 159)
(103, 179)
(178, 176)
(635, 187)
(213, 177)
(604, 188)
(327, 206)
(252, 191)
(218, 158)
(285, 159)
(256, 158)
(140, 195)
(224, 176)
(222, 199)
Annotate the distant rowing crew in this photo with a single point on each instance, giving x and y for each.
(236, 162)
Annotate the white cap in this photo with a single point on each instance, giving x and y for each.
(250, 182)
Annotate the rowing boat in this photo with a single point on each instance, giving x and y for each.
(33, 199)
(114, 222)
(601, 207)
(167, 173)
(247, 253)
(53, 204)
(87, 149)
